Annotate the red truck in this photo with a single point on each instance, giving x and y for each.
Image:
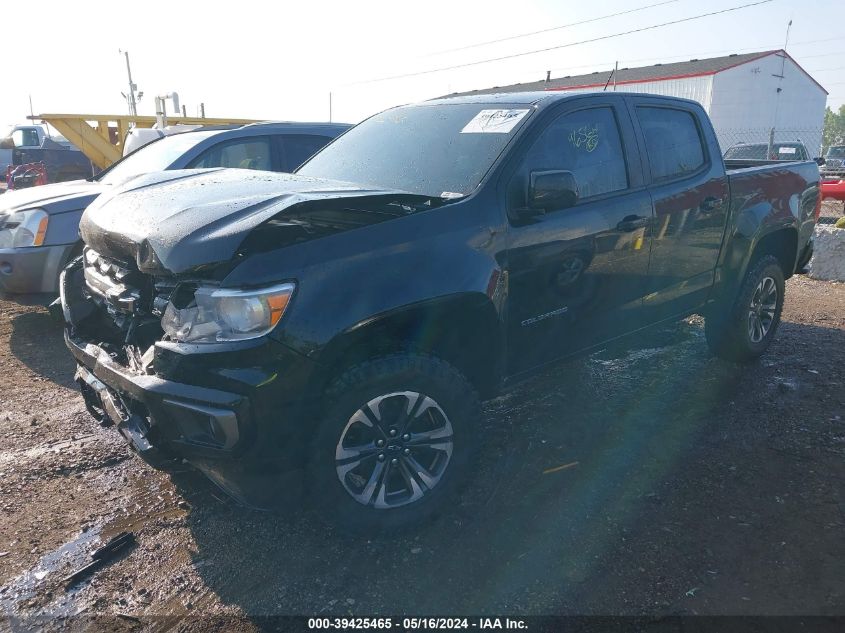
(833, 174)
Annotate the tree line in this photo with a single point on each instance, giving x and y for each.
(834, 127)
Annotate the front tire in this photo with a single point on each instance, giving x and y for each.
(745, 330)
(395, 443)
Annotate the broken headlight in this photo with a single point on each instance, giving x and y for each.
(23, 228)
(224, 314)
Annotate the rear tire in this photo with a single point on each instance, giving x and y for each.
(396, 441)
(743, 331)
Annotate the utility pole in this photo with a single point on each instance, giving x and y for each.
(615, 70)
(780, 78)
(133, 106)
(330, 107)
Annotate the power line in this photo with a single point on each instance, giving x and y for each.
(823, 54)
(552, 48)
(828, 39)
(701, 53)
(554, 28)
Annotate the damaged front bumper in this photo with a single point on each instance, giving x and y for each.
(182, 420)
(234, 411)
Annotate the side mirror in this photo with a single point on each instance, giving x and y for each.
(7, 143)
(819, 161)
(552, 190)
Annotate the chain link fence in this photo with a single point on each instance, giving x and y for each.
(769, 143)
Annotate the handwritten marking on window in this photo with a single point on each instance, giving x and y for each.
(586, 136)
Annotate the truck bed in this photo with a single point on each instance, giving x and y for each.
(767, 193)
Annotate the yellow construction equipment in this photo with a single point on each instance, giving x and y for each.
(101, 136)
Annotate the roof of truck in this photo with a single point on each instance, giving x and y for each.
(539, 97)
(298, 125)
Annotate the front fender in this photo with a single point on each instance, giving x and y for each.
(464, 329)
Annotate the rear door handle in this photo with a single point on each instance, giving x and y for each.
(711, 204)
(632, 223)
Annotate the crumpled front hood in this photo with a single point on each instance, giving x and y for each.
(55, 198)
(181, 220)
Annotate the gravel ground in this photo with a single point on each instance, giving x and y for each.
(692, 486)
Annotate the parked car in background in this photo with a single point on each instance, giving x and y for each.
(26, 137)
(27, 150)
(788, 151)
(337, 327)
(833, 173)
(39, 226)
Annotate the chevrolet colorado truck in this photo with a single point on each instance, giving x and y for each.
(334, 330)
(39, 227)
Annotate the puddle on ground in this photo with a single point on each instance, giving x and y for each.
(666, 340)
(46, 576)
(629, 359)
(40, 592)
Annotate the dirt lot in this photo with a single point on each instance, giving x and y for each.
(694, 486)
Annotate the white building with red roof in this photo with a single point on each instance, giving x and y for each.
(747, 95)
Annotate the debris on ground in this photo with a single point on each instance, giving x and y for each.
(101, 556)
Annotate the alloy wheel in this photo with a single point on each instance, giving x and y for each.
(761, 312)
(394, 450)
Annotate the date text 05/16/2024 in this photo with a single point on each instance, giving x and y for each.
(409, 624)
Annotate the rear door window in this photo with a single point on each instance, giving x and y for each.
(251, 153)
(673, 142)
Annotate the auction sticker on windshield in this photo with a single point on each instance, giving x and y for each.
(494, 121)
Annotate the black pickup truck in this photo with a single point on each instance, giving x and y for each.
(334, 330)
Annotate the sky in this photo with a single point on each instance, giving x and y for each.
(282, 60)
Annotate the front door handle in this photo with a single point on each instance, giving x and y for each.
(632, 223)
(711, 204)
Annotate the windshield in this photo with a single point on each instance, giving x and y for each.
(836, 152)
(758, 151)
(439, 150)
(157, 156)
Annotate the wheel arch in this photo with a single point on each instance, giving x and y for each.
(462, 329)
(781, 243)
(745, 249)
